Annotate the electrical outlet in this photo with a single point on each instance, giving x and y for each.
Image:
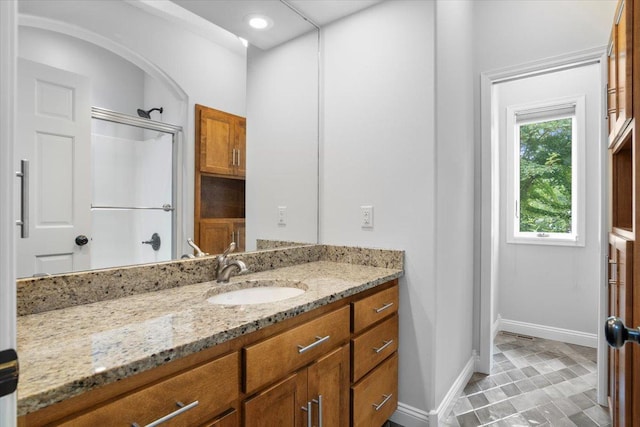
(366, 216)
(282, 215)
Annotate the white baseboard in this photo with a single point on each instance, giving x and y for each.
(408, 416)
(495, 328)
(549, 332)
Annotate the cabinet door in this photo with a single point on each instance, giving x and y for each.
(217, 140)
(621, 305)
(215, 235)
(620, 111)
(280, 405)
(228, 419)
(241, 147)
(239, 235)
(328, 389)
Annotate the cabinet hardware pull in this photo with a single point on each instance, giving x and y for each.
(612, 262)
(319, 403)
(23, 222)
(613, 282)
(182, 408)
(383, 308)
(385, 345)
(381, 404)
(319, 340)
(308, 410)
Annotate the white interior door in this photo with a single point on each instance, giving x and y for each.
(53, 132)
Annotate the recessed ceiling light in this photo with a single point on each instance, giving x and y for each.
(259, 22)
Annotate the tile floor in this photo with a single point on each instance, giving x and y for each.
(534, 382)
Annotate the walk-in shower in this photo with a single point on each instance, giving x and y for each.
(134, 189)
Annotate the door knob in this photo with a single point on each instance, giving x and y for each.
(82, 240)
(617, 334)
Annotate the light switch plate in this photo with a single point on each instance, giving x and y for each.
(366, 216)
(282, 215)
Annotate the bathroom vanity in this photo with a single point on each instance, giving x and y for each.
(325, 357)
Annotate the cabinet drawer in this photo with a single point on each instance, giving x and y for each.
(372, 347)
(274, 357)
(375, 397)
(214, 385)
(369, 310)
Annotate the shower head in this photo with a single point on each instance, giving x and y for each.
(147, 114)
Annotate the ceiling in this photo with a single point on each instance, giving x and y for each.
(287, 24)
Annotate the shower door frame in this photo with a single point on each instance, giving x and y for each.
(176, 145)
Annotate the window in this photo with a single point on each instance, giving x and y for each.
(546, 173)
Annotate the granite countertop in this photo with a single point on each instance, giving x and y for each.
(68, 351)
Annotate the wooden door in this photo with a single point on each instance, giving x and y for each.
(328, 382)
(228, 419)
(280, 405)
(216, 141)
(621, 305)
(54, 133)
(215, 235)
(241, 146)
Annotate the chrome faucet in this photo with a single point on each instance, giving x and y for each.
(224, 266)
(199, 252)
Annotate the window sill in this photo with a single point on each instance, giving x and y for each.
(545, 241)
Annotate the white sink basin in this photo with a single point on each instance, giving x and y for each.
(255, 292)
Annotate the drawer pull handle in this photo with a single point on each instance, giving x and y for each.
(319, 340)
(385, 345)
(181, 408)
(383, 308)
(381, 404)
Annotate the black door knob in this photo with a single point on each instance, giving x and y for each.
(82, 240)
(617, 334)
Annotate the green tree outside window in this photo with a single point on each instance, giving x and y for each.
(545, 176)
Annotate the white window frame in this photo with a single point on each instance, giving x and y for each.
(554, 108)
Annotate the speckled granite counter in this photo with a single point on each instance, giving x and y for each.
(68, 351)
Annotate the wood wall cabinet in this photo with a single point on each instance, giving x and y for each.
(215, 235)
(220, 170)
(222, 142)
(335, 366)
(620, 70)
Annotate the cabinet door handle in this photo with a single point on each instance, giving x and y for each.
(385, 345)
(381, 404)
(319, 340)
(233, 157)
(182, 408)
(239, 156)
(319, 403)
(308, 410)
(383, 308)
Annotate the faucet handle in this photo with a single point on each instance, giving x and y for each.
(231, 248)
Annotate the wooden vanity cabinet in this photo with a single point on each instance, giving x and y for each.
(216, 235)
(298, 400)
(322, 359)
(374, 358)
(194, 397)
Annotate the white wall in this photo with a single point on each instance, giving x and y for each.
(454, 192)
(554, 286)
(378, 148)
(282, 141)
(510, 33)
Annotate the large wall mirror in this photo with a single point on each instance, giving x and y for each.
(121, 181)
